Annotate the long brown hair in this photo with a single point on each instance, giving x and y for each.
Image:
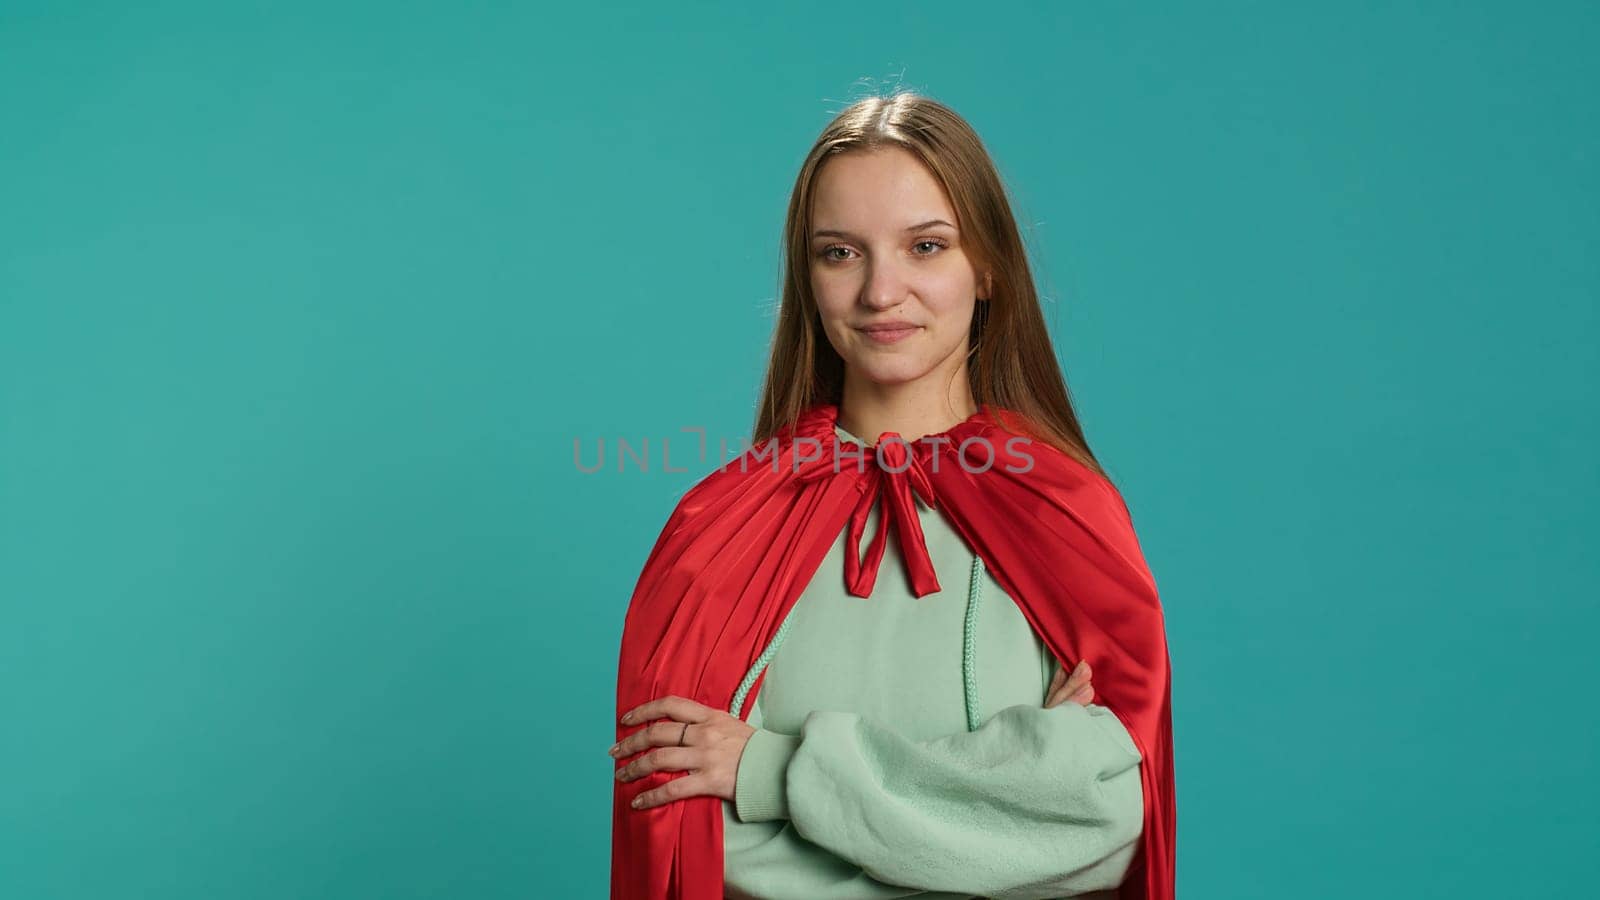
(1011, 364)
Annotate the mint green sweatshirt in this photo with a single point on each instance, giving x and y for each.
(869, 775)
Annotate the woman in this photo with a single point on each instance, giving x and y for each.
(799, 742)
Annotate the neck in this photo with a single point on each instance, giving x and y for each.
(912, 410)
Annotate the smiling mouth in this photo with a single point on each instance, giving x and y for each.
(890, 335)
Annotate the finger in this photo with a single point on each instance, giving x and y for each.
(1077, 683)
(1059, 691)
(679, 708)
(1064, 677)
(1073, 683)
(1080, 694)
(676, 789)
(668, 759)
(662, 733)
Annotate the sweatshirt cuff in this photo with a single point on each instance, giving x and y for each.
(758, 791)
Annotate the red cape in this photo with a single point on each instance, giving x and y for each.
(745, 540)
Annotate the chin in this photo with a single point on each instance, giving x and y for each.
(896, 372)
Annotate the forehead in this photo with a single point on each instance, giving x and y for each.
(883, 189)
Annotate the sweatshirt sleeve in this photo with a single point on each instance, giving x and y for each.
(1035, 803)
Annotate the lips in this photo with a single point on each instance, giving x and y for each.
(889, 332)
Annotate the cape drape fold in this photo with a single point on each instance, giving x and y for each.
(743, 543)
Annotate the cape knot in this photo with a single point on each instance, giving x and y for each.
(898, 467)
(894, 471)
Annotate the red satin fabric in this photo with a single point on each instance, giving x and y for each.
(744, 542)
(887, 470)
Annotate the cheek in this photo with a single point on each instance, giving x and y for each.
(950, 305)
(832, 290)
(955, 298)
(834, 300)
(833, 320)
(952, 331)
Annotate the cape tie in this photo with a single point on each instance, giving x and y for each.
(888, 471)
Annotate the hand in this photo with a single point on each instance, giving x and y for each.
(1077, 689)
(712, 742)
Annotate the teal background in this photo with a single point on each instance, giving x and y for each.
(302, 309)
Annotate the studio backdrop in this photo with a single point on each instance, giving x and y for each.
(312, 317)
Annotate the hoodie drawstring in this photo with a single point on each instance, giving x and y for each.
(969, 645)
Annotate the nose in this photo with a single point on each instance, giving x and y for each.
(885, 288)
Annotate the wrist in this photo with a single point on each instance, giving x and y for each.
(759, 785)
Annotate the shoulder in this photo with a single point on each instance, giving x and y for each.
(1024, 447)
(765, 466)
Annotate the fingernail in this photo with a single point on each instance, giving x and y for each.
(612, 751)
(636, 802)
(1081, 664)
(627, 718)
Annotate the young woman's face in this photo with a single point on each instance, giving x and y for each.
(885, 252)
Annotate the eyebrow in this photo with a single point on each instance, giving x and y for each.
(829, 232)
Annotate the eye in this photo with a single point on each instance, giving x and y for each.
(826, 253)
